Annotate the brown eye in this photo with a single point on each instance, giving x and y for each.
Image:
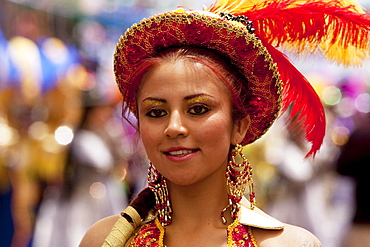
(198, 110)
(156, 113)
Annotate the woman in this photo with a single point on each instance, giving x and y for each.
(201, 85)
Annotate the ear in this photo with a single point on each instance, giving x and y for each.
(240, 129)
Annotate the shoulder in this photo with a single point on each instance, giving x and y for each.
(97, 233)
(290, 236)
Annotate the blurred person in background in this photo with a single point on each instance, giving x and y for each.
(313, 187)
(93, 178)
(40, 89)
(354, 161)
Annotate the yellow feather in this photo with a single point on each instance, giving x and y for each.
(233, 7)
(350, 55)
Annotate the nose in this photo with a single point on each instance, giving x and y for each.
(176, 126)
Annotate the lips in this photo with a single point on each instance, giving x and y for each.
(180, 152)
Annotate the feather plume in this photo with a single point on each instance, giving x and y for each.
(307, 112)
(338, 29)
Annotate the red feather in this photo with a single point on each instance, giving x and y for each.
(307, 27)
(305, 106)
(340, 29)
(313, 26)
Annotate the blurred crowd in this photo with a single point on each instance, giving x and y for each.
(67, 158)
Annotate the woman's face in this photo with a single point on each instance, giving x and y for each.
(185, 122)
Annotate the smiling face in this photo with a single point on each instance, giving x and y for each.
(185, 120)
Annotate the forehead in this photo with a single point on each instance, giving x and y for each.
(182, 75)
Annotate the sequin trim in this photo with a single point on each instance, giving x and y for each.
(150, 234)
(250, 232)
(240, 236)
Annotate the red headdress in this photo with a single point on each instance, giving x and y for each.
(338, 29)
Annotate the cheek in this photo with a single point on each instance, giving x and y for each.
(143, 127)
(217, 129)
(147, 135)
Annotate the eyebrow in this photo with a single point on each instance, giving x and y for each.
(153, 101)
(197, 97)
(189, 99)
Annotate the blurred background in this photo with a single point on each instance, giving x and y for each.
(67, 158)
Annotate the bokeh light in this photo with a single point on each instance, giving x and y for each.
(64, 135)
(331, 95)
(98, 190)
(345, 107)
(340, 135)
(6, 134)
(38, 130)
(362, 103)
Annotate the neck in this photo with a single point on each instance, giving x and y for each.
(201, 203)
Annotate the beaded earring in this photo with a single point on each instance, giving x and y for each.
(238, 176)
(158, 184)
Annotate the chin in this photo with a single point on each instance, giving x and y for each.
(182, 181)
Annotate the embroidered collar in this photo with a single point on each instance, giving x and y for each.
(123, 230)
(152, 234)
